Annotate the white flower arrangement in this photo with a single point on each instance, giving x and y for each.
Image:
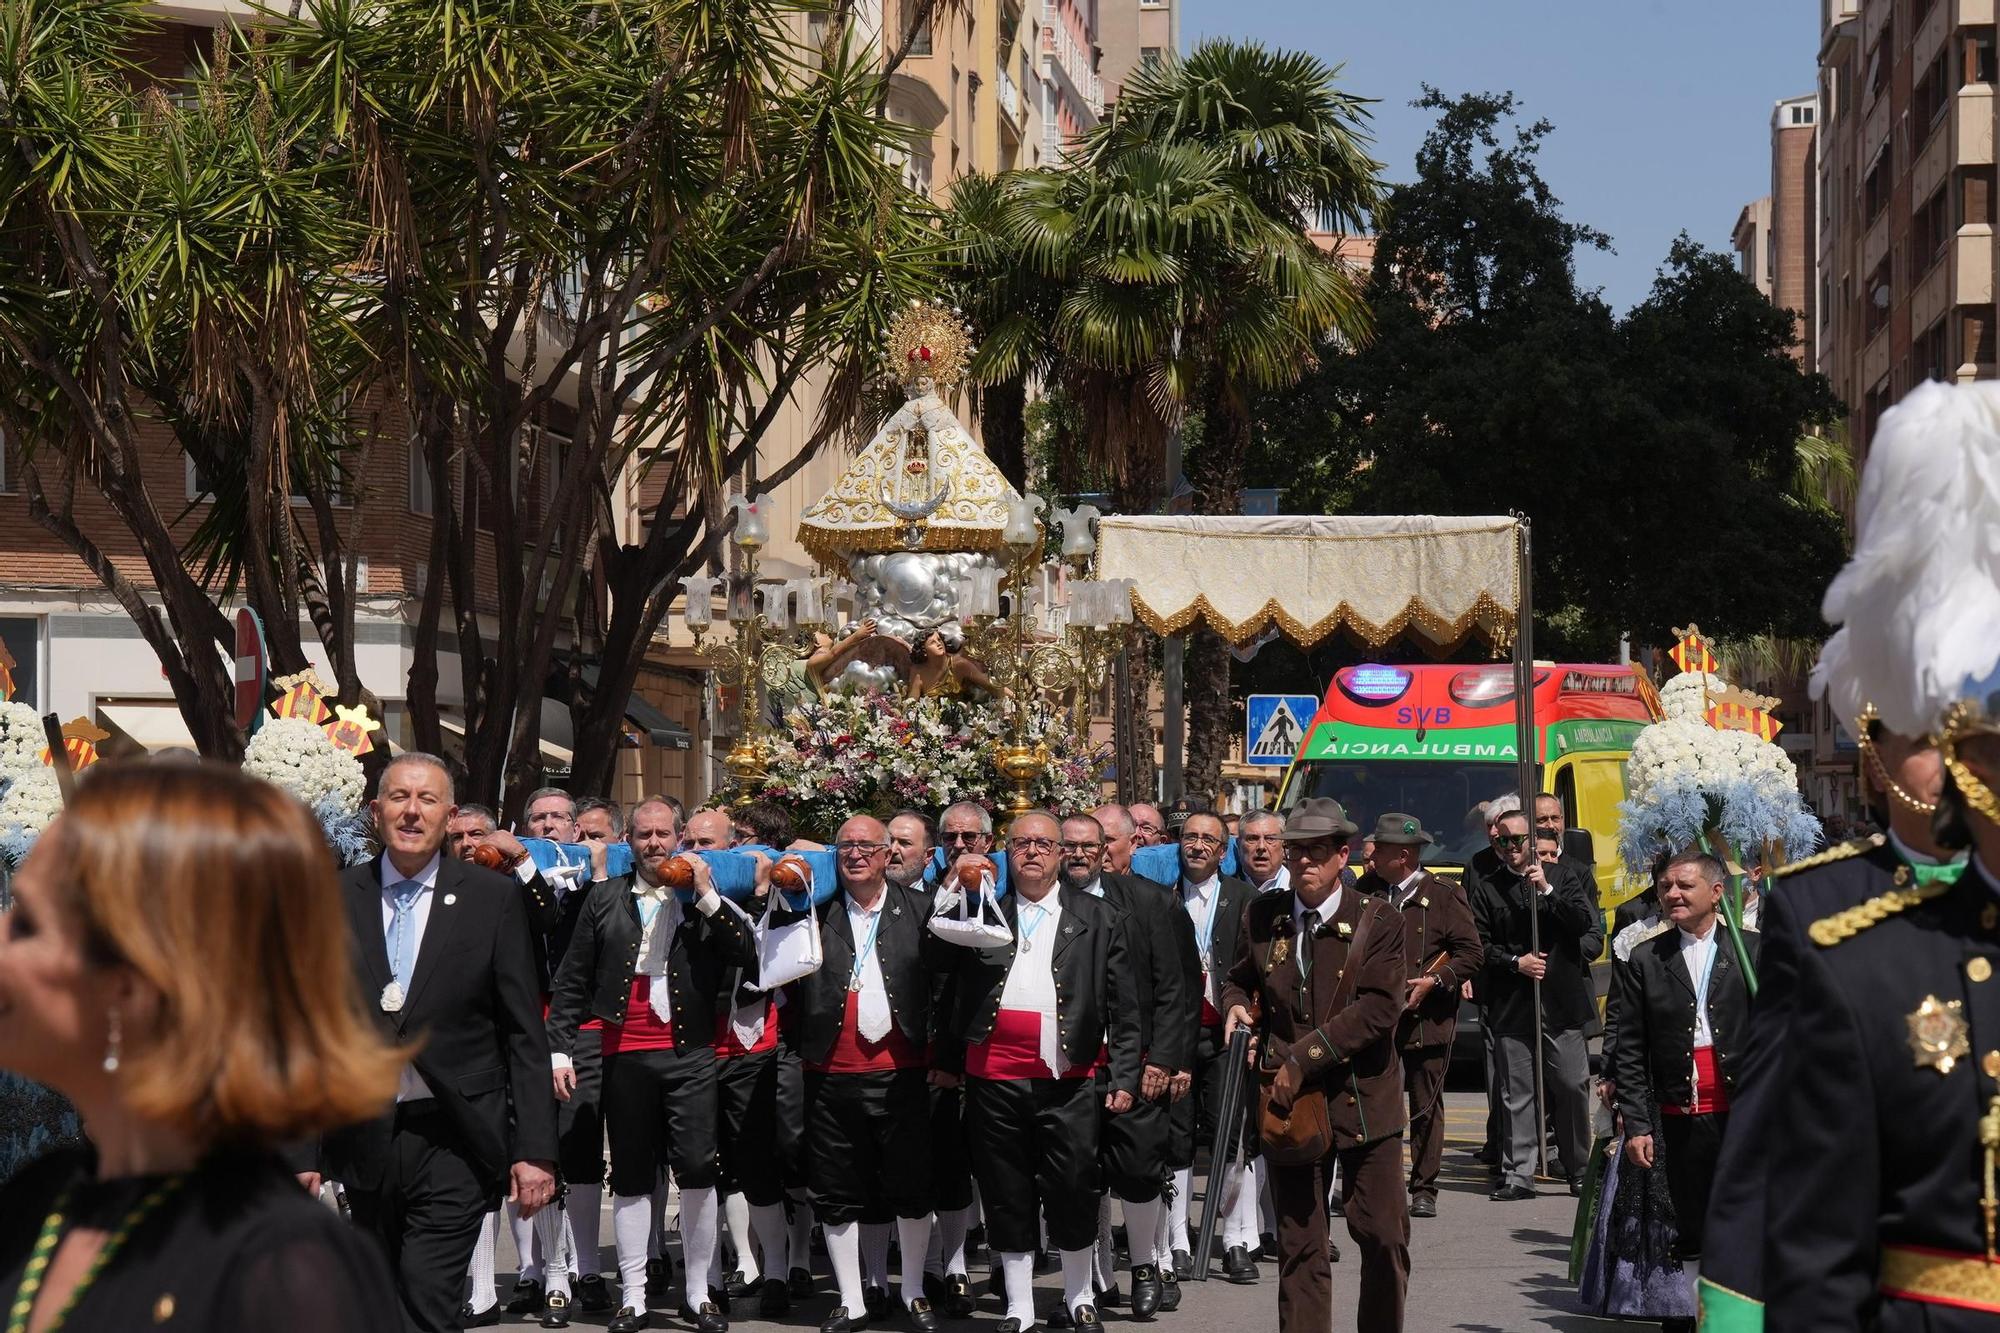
(21, 739)
(30, 803)
(296, 755)
(1686, 778)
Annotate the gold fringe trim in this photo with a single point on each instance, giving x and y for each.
(1485, 612)
(833, 546)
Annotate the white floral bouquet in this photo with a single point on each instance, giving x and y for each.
(295, 754)
(1687, 780)
(876, 753)
(21, 740)
(28, 803)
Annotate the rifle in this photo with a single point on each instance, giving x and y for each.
(1229, 1144)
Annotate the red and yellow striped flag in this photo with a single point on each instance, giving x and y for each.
(1692, 653)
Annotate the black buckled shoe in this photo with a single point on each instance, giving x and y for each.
(1267, 1247)
(922, 1317)
(773, 1298)
(800, 1280)
(471, 1318)
(1183, 1265)
(525, 1298)
(555, 1311)
(593, 1294)
(1085, 1317)
(628, 1320)
(1061, 1319)
(1008, 1326)
(659, 1280)
(1238, 1266)
(711, 1319)
(1170, 1291)
(879, 1302)
(837, 1322)
(958, 1302)
(1423, 1206)
(1109, 1298)
(1145, 1291)
(734, 1285)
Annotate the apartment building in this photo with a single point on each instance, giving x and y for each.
(1751, 239)
(1792, 245)
(1134, 34)
(1905, 160)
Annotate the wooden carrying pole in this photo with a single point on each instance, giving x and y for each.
(1524, 747)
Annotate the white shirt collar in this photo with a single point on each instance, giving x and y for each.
(1281, 879)
(427, 876)
(1690, 940)
(1096, 887)
(1403, 888)
(856, 909)
(1204, 888)
(1320, 915)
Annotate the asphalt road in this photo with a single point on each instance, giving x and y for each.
(1479, 1267)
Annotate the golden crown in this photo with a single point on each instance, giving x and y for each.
(929, 338)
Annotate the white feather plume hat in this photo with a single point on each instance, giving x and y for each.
(1918, 603)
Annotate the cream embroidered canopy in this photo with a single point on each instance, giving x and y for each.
(1375, 575)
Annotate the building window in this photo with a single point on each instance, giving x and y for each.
(9, 465)
(1931, 95)
(1875, 300)
(1876, 188)
(1980, 65)
(22, 637)
(1928, 354)
(920, 40)
(1149, 56)
(1930, 232)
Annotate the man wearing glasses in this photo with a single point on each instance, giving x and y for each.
(1260, 845)
(1325, 963)
(1149, 826)
(863, 1023)
(1133, 1145)
(1214, 903)
(1502, 902)
(1034, 1020)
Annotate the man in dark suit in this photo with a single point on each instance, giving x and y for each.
(1565, 915)
(1133, 1145)
(1214, 904)
(1033, 1019)
(1683, 1017)
(1325, 966)
(862, 1024)
(1442, 950)
(655, 971)
(442, 951)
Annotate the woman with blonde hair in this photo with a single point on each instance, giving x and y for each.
(176, 964)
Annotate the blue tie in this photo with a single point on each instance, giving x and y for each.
(401, 956)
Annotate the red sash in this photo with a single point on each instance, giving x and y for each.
(642, 1029)
(854, 1054)
(1014, 1050)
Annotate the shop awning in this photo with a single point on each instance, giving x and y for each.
(1375, 576)
(152, 725)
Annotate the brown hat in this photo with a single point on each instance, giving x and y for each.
(1317, 817)
(1400, 829)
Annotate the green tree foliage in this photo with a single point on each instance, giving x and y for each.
(1657, 453)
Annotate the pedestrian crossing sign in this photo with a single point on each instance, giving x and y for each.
(1274, 725)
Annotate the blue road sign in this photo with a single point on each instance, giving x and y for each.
(1274, 725)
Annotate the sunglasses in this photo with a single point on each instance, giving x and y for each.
(1511, 840)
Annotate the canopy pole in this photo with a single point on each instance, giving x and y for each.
(1173, 716)
(1526, 758)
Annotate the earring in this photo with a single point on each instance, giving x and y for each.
(112, 1042)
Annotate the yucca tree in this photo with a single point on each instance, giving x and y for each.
(1176, 252)
(538, 239)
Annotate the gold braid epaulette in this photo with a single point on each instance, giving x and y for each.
(1829, 931)
(1837, 852)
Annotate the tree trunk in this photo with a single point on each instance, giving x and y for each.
(1215, 470)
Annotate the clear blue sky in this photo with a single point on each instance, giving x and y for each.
(1662, 111)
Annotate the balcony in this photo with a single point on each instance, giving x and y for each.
(1972, 264)
(1875, 357)
(1974, 13)
(1930, 37)
(1933, 293)
(1007, 95)
(1875, 243)
(1972, 112)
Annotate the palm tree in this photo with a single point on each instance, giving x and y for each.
(1178, 240)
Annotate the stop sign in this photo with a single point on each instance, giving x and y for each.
(250, 668)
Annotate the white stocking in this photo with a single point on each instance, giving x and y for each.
(1177, 1214)
(767, 1223)
(913, 1238)
(698, 1209)
(875, 1253)
(631, 1230)
(550, 1233)
(952, 1224)
(1104, 1258)
(798, 1243)
(737, 1209)
(584, 1225)
(1239, 1208)
(843, 1250)
(1076, 1280)
(481, 1269)
(1142, 1230)
(1018, 1270)
(524, 1243)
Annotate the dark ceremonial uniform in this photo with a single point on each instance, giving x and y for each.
(1134, 1145)
(659, 1075)
(867, 1104)
(476, 1098)
(754, 1144)
(1332, 997)
(1740, 1269)
(1193, 1118)
(1031, 1090)
(552, 917)
(1437, 919)
(1683, 1011)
